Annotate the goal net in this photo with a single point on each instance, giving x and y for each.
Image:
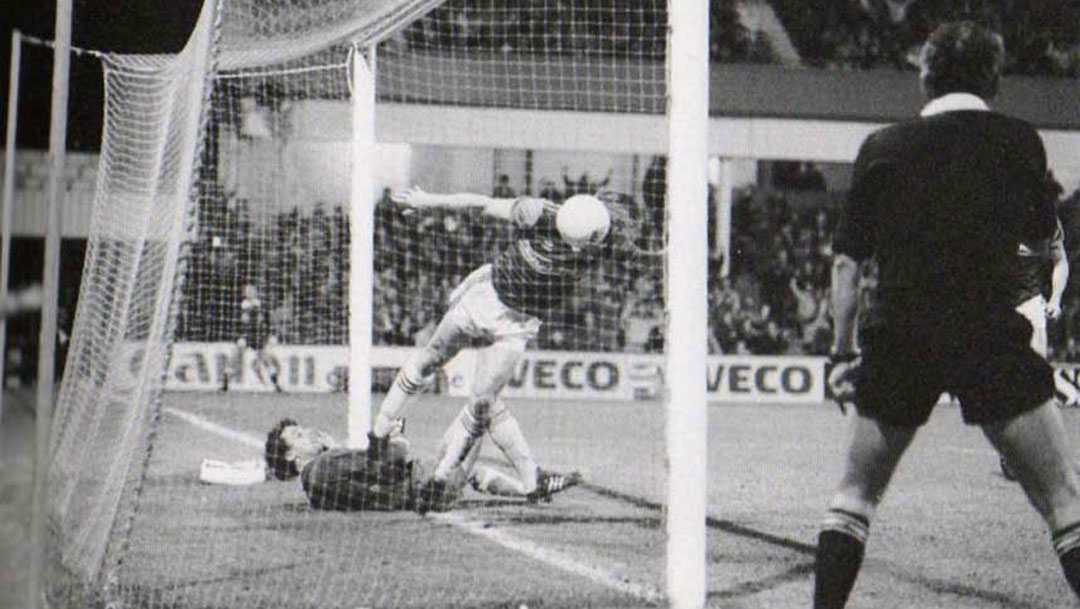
(216, 302)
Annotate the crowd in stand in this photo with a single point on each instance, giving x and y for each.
(611, 28)
(773, 300)
(1041, 38)
(422, 257)
(297, 262)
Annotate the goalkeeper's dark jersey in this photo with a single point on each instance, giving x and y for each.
(942, 204)
(344, 479)
(538, 270)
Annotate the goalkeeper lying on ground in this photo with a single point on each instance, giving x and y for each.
(336, 478)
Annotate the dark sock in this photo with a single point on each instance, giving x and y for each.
(1067, 546)
(839, 556)
(1070, 562)
(378, 448)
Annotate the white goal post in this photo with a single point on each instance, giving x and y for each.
(238, 184)
(687, 276)
(362, 246)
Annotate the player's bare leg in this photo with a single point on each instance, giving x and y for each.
(1036, 446)
(484, 479)
(494, 367)
(487, 480)
(234, 367)
(873, 453)
(1034, 310)
(270, 364)
(506, 434)
(415, 376)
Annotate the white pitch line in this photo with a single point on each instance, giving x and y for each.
(551, 557)
(479, 528)
(207, 425)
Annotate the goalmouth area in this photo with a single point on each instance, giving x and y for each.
(242, 219)
(599, 545)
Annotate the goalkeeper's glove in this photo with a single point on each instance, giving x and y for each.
(843, 369)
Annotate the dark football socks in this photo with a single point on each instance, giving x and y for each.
(1067, 546)
(841, 545)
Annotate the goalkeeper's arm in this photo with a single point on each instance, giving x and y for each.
(1059, 277)
(844, 300)
(493, 206)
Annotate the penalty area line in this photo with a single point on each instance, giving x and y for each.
(214, 428)
(550, 557)
(480, 528)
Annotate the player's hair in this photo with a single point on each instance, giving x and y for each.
(962, 57)
(626, 225)
(277, 449)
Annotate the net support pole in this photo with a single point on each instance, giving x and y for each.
(725, 198)
(9, 196)
(687, 271)
(361, 246)
(50, 295)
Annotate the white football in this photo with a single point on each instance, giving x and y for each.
(582, 220)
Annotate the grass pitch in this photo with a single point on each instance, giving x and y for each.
(951, 533)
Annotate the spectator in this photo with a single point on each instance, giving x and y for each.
(641, 313)
(654, 194)
(502, 188)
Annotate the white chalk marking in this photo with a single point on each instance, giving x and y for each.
(551, 557)
(479, 528)
(225, 432)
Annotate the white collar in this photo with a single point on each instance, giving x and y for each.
(951, 102)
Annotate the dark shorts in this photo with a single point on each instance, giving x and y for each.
(988, 366)
(255, 335)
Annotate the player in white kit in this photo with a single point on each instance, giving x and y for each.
(501, 307)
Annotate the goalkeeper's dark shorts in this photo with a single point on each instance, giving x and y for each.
(988, 365)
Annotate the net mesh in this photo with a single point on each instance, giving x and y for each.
(163, 493)
(101, 427)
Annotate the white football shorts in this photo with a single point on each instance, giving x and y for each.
(477, 311)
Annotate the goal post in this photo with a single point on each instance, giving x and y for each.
(687, 279)
(243, 271)
(362, 244)
(8, 201)
(46, 366)
(103, 432)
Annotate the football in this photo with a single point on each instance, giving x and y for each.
(582, 220)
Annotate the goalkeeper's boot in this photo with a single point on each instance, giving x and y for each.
(431, 496)
(549, 483)
(277, 383)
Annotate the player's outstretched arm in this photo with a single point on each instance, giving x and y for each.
(418, 198)
(1059, 277)
(844, 353)
(844, 300)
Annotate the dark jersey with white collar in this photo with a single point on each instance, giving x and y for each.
(538, 270)
(942, 204)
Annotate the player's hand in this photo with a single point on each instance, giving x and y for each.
(411, 197)
(842, 373)
(1053, 310)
